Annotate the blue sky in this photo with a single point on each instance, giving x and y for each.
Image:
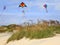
(34, 10)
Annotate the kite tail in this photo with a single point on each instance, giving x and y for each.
(46, 10)
(23, 15)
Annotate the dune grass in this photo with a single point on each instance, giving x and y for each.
(1, 31)
(16, 36)
(39, 34)
(31, 34)
(34, 31)
(57, 29)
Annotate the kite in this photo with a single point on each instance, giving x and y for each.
(4, 7)
(22, 5)
(45, 6)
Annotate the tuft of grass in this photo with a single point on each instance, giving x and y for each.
(39, 34)
(16, 36)
(9, 30)
(57, 29)
(1, 31)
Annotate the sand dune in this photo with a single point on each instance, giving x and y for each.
(24, 41)
(4, 37)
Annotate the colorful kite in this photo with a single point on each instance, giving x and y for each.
(22, 5)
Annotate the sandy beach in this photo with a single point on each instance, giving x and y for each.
(4, 37)
(24, 41)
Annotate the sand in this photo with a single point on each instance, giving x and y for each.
(4, 37)
(24, 41)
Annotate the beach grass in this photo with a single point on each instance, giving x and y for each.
(50, 31)
(34, 31)
(16, 36)
(31, 34)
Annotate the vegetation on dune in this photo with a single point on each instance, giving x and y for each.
(36, 34)
(33, 31)
(39, 34)
(3, 29)
(16, 36)
(10, 28)
(57, 29)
